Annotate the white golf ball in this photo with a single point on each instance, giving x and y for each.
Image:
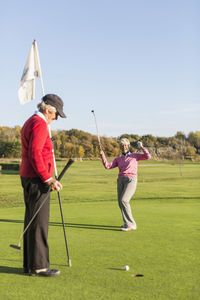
(126, 268)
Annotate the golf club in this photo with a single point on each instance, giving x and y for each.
(92, 111)
(59, 178)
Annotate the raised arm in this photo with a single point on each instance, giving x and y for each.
(146, 155)
(106, 164)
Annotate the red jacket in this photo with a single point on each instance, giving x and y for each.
(37, 149)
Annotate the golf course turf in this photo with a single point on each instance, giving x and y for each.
(164, 248)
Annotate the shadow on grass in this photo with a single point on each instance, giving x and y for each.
(11, 270)
(11, 221)
(72, 225)
(87, 226)
(133, 275)
(116, 269)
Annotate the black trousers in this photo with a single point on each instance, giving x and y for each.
(36, 250)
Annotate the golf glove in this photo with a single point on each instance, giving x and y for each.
(139, 144)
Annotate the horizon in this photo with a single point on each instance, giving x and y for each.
(114, 137)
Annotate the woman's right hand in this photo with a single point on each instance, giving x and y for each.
(101, 152)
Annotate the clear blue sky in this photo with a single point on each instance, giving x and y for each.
(135, 62)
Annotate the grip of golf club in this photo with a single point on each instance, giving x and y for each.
(70, 161)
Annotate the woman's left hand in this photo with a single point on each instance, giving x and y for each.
(139, 144)
(55, 185)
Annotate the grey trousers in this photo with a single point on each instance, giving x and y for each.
(126, 187)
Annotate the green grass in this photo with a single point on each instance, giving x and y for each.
(165, 248)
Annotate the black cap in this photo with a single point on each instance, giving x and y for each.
(56, 102)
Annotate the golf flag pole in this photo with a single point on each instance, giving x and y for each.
(61, 210)
(31, 70)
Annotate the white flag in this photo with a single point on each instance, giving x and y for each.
(31, 70)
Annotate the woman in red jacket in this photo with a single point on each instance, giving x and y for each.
(36, 173)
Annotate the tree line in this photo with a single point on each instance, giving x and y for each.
(80, 144)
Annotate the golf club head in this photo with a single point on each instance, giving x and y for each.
(16, 247)
(69, 263)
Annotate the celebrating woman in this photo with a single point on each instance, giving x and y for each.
(127, 179)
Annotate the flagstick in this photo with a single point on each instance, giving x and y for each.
(61, 210)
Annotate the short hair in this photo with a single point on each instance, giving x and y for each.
(42, 106)
(125, 141)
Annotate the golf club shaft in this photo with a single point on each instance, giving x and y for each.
(63, 224)
(97, 130)
(37, 211)
(45, 199)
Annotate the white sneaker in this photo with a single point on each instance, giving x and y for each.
(128, 228)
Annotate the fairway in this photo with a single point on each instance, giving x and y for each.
(164, 248)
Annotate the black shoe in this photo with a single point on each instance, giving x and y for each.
(48, 273)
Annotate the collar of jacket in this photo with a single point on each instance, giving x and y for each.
(38, 113)
(126, 154)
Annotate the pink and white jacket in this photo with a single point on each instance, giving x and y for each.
(127, 164)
